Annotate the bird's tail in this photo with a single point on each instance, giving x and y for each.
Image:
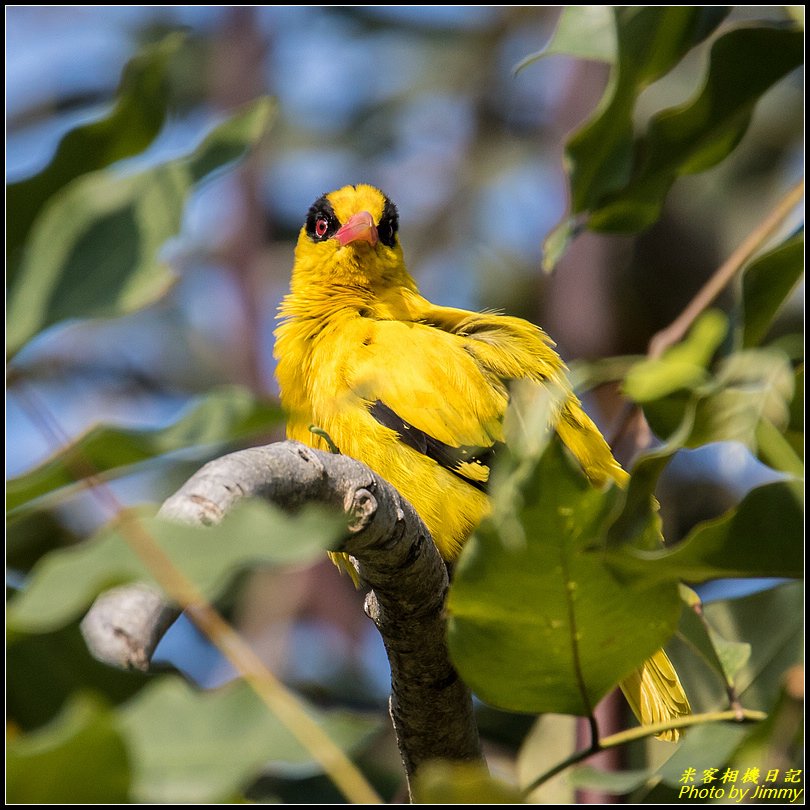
(655, 694)
(581, 436)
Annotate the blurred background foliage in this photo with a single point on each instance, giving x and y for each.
(160, 161)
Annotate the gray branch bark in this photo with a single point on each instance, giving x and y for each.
(393, 553)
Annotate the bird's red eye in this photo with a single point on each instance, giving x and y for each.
(321, 226)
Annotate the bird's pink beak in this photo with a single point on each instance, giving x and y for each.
(359, 228)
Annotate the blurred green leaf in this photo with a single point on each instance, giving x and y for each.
(537, 622)
(79, 758)
(197, 747)
(766, 284)
(64, 582)
(776, 451)
(682, 366)
(795, 429)
(93, 251)
(127, 129)
(586, 32)
(639, 523)
(778, 741)
(751, 389)
(614, 783)
(750, 386)
(32, 533)
(43, 671)
(744, 64)
(704, 747)
(772, 621)
(551, 739)
(225, 414)
(461, 783)
(725, 657)
(732, 545)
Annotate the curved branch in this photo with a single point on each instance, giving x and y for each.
(392, 552)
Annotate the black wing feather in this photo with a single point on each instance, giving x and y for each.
(449, 457)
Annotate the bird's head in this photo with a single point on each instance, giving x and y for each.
(350, 239)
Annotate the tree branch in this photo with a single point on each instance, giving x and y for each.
(392, 552)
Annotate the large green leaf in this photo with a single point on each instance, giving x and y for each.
(195, 747)
(745, 63)
(599, 157)
(128, 128)
(651, 41)
(79, 758)
(64, 582)
(766, 284)
(225, 414)
(537, 621)
(93, 251)
(763, 536)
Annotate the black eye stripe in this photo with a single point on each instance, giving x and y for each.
(321, 209)
(389, 224)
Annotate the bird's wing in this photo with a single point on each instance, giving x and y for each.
(423, 383)
(511, 348)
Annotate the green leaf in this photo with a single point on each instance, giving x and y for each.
(79, 758)
(639, 523)
(779, 739)
(744, 64)
(766, 284)
(127, 129)
(537, 622)
(682, 366)
(461, 783)
(64, 582)
(586, 32)
(615, 783)
(750, 386)
(599, 156)
(189, 746)
(795, 429)
(772, 622)
(751, 389)
(725, 657)
(732, 545)
(551, 739)
(651, 41)
(44, 671)
(93, 251)
(707, 746)
(774, 448)
(225, 414)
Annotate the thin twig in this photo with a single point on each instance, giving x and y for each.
(278, 699)
(670, 335)
(640, 732)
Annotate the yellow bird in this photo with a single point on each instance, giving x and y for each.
(418, 391)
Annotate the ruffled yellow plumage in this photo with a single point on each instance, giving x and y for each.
(418, 391)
